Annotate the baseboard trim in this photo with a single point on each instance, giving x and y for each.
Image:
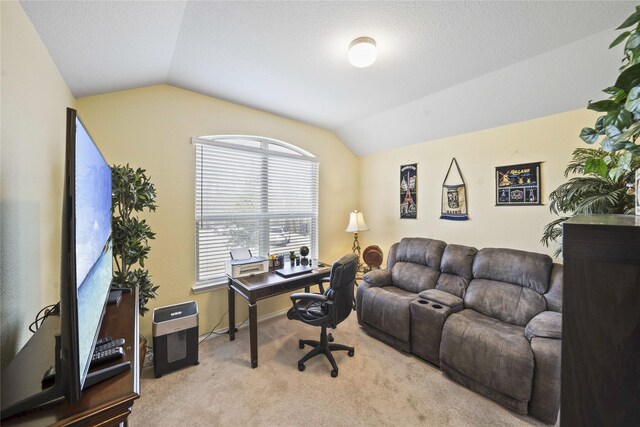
(246, 323)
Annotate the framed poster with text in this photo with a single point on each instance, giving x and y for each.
(408, 193)
(518, 185)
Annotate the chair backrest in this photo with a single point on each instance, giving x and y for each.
(343, 278)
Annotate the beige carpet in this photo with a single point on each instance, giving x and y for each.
(378, 386)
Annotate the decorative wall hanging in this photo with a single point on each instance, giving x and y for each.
(454, 197)
(408, 191)
(518, 185)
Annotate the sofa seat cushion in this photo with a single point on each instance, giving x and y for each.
(489, 351)
(443, 298)
(387, 309)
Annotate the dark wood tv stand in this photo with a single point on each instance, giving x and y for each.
(105, 404)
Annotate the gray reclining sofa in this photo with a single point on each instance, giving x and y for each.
(490, 319)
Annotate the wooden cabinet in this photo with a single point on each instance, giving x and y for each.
(601, 321)
(107, 403)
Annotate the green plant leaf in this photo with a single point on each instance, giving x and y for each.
(633, 19)
(595, 165)
(620, 118)
(609, 145)
(633, 42)
(611, 90)
(599, 127)
(619, 39)
(612, 132)
(589, 135)
(633, 100)
(603, 106)
(629, 78)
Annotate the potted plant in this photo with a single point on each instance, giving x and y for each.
(591, 192)
(132, 193)
(618, 129)
(607, 174)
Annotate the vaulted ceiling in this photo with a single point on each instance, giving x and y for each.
(443, 68)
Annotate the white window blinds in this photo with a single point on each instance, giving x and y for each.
(252, 192)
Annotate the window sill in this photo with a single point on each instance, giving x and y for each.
(208, 287)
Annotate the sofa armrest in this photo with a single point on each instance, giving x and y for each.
(547, 324)
(442, 298)
(378, 278)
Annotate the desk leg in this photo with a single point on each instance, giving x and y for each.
(253, 332)
(232, 312)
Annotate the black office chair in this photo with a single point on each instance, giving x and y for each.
(327, 310)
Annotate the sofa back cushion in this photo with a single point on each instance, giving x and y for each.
(456, 269)
(510, 303)
(416, 265)
(526, 269)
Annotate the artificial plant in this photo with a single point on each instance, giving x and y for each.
(590, 192)
(132, 193)
(618, 129)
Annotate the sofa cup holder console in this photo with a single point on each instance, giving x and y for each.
(427, 320)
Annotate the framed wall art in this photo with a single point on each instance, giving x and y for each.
(408, 191)
(518, 185)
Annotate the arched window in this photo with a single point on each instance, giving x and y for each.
(253, 192)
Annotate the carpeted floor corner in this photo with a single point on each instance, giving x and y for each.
(379, 386)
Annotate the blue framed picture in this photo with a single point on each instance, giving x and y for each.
(518, 185)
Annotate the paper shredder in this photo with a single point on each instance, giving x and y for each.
(175, 337)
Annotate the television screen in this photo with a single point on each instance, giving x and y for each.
(85, 280)
(92, 213)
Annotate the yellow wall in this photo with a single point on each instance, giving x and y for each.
(151, 127)
(549, 139)
(33, 118)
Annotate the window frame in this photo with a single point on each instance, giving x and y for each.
(263, 143)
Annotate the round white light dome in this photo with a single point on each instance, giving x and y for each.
(363, 52)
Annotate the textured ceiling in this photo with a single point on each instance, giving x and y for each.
(443, 68)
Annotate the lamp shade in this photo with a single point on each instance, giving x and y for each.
(356, 222)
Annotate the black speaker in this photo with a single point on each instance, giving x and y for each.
(175, 337)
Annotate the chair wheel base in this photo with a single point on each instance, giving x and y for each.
(300, 367)
(330, 337)
(334, 373)
(350, 353)
(300, 344)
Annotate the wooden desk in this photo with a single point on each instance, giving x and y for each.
(260, 286)
(107, 403)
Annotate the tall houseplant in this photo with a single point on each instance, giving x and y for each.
(590, 192)
(618, 129)
(133, 192)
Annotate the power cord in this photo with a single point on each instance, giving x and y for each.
(50, 310)
(214, 332)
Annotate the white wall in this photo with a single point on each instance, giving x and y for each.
(549, 139)
(33, 118)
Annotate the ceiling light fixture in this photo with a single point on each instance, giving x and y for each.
(362, 52)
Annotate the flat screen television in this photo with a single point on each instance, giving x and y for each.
(86, 270)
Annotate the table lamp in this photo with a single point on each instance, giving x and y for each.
(356, 224)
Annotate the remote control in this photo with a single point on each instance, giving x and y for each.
(106, 356)
(111, 344)
(103, 340)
